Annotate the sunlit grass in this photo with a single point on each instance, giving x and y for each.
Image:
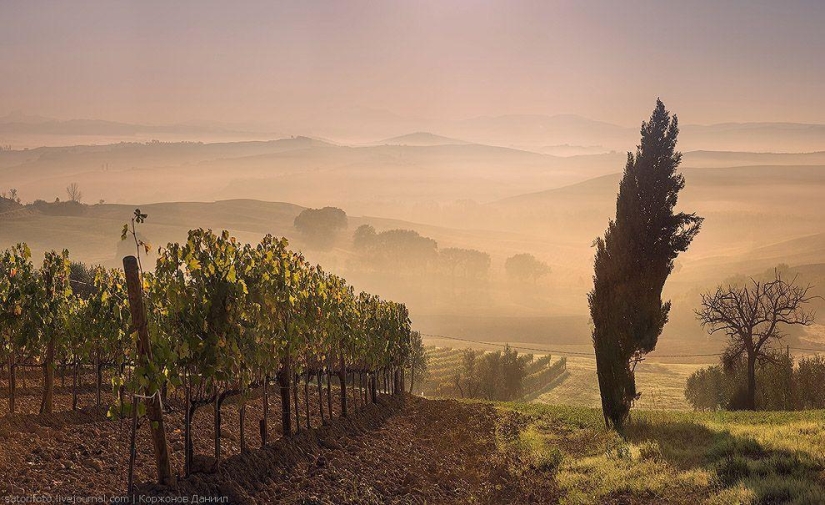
(674, 457)
(662, 385)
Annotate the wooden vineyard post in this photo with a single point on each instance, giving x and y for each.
(262, 426)
(154, 411)
(243, 427)
(284, 382)
(319, 376)
(217, 430)
(74, 385)
(187, 432)
(132, 451)
(329, 394)
(98, 378)
(342, 379)
(361, 389)
(47, 404)
(12, 380)
(295, 385)
(306, 398)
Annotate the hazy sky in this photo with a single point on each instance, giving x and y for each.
(146, 61)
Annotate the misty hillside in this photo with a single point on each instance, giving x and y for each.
(147, 154)
(30, 129)
(711, 159)
(302, 170)
(552, 312)
(760, 209)
(521, 130)
(408, 182)
(760, 137)
(420, 139)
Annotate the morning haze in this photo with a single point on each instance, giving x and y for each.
(459, 157)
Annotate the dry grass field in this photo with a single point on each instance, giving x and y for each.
(662, 385)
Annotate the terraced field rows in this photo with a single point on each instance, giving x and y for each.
(444, 363)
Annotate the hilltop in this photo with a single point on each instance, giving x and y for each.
(420, 139)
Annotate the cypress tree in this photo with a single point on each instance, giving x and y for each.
(634, 259)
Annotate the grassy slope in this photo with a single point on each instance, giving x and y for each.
(672, 457)
(662, 385)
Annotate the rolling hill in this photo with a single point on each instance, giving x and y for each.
(311, 172)
(763, 211)
(419, 139)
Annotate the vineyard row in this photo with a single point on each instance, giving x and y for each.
(215, 319)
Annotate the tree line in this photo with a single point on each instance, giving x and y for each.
(389, 250)
(784, 384)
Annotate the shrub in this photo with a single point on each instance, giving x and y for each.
(780, 385)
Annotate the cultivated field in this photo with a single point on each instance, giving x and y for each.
(661, 383)
(418, 450)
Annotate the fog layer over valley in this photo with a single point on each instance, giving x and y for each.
(473, 206)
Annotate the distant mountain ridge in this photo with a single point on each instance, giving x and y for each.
(523, 131)
(101, 127)
(420, 139)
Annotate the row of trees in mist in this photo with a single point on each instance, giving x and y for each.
(72, 192)
(407, 250)
(400, 250)
(72, 205)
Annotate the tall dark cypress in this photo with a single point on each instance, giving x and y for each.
(634, 259)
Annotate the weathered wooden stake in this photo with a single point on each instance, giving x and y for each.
(329, 394)
(342, 379)
(132, 450)
(74, 385)
(98, 377)
(217, 420)
(154, 411)
(284, 375)
(47, 404)
(243, 423)
(306, 397)
(11, 381)
(295, 385)
(265, 420)
(187, 432)
(319, 376)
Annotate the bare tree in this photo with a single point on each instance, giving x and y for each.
(752, 317)
(11, 195)
(73, 190)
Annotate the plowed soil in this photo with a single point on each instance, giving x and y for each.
(401, 450)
